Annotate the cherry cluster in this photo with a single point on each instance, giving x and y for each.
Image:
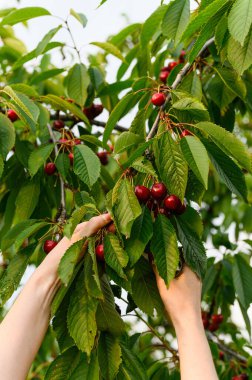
(158, 201)
(211, 322)
(165, 71)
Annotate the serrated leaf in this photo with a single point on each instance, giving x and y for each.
(228, 171)
(59, 324)
(144, 288)
(227, 142)
(38, 157)
(87, 165)
(152, 24)
(37, 78)
(239, 56)
(79, 17)
(62, 163)
(46, 39)
(107, 317)
(77, 83)
(126, 207)
(138, 124)
(26, 201)
(242, 274)
(125, 141)
(142, 231)
(69, 260)
(92, 280)
(196, 157)
(24, 14)
(241, 10)
(171, 165)
(114, 254)
(193, 248)
(221, 32)
(190, 109)
(232, 81)
(143, 165)
(194, 188)
(81, 317)
(78, 216)
(137, 153)
(164, 248)
(176, 19)
(220, 94)
(63, 366)
(192, 84)
(109, 48)
(7, 135)
(87, 369)
(109, 355)
(1, 166)
(133, 364)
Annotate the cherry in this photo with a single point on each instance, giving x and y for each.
(111, 228)
(244, 376)
(172, 203)
(49, 245)
(99, 251)
(182, 56)
(185, 133)
(172, 65)
(63, 141)
(217, 319)
(93, 111)
(165, 68)
(221, 355)
(163, 76)
(150, 204)
(181, 210)
(103, 156)
(158, 191)
(142, 193)
(71, 158)
(98, 109)
(50, 168)
(58, 124)
(158, 99)
(76, 142)
(205, 323)
(12, 115)
(213, 327)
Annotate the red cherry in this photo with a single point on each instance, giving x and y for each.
(63, 141)
(213, 327)
(172, 203)
(12, 115)
(165, 68)
(103, 156)
(185, 133)
(244, 376)
(98, 109)
(50, 168)
(58, 124)
(49, 245)
(142, 193)
(221, 355)
(99, 251)
(205, 323)
(181, 210)
(93, 111)
(217, 319)
(158, 99)
(163, 76)
(172, 65)
(158, 191)
(182, 56)
(71, 158)
(111, 228)
(77, 141)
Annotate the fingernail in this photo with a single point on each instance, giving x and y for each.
(106, 217)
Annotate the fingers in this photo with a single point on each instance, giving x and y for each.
(93, 225)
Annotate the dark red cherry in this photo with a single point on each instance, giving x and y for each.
(172, 203)
(217, 318)
(163, 76)
(58, 124)
(12, 115)
(103, 156)
(99, 251)
(158, 191)
(50, 168)
(142, 193)
(158, 99)
(172, 65)
(49, 245)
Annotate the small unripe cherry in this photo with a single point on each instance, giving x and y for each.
(49, 245)
(71, 158)
(103, 156)
(185, 133)
(142, 193)
(12, 115)
(172, 203)
(158, 99)
(172, 65)
(158, 191)
(50, 168)
(58, 124)
(99, 251)
(163, 76)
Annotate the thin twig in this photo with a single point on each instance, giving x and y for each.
(226, 349)
(175, 84)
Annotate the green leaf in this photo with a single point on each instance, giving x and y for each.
(109, 49)
(79, 17)
(239, 56)
(107, 317)
(63, 165)
(125, 141)
(196, 157)
(119, 38)
(176, 19)
(190, 109)
(228, 171)
(242, 274)
(138, 124)
(232, 81)
(77, 217)
(59, 324)
(133, 364)
(37, 78)
(126, 207)
(192, 84)
(87, 165)
(194, 188)
(227, 142)
(87, 369)
(220, 94)
(115, 256)
(240, 20)
(38, 158)
(81, 317)
(193, 248)
(152, 24)
(137, 153)
(144, 288)
(1, 166)
(171, 165)
(92, 280)
(77, 83)
(26, 201)
(24, 14)
(63, 366)
(221, 32)
(165, 248)
(143, 165)
(124, 105)
(7, 135)
(142, 231)
(109, 354)
(46, 39)
(69, 260)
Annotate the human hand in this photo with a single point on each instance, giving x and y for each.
(90, 227)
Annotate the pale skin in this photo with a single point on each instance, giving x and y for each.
(24, 327)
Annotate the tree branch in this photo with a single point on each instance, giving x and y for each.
(175, 84)
(226, 349)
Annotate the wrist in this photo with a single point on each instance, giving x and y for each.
(187, 320)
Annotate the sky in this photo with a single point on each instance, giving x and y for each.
(102, 22)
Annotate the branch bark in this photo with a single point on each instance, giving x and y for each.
(175, 84)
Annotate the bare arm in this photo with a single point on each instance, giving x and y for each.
(24, 327)
(182, 302)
